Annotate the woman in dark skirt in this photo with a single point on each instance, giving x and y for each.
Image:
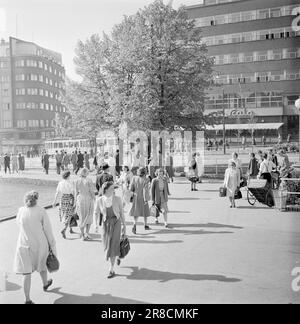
(65, 190)
(193, 173)
(111, 208)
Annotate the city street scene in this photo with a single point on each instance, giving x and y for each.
(149, 152)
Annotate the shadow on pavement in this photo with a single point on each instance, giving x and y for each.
(210, 225)
(162, 276)
(93, 299)
(253, 207)
(171, 230)
(133, 241)
(179, 212)
(185, 198)
(10, 286)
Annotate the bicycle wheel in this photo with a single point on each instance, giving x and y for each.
(251, 198)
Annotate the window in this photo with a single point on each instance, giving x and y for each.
(7, 123)
(6, 106)
(40, 64)
(41, 78)
(248, 57)
(20, 77)
(290, 53)
(20, 63)
(276, 76)
(42, 106)
(262, 56)
(32, 92)
(263, 14)
(42, 123)
(234, 17)
(31, 63)
(234, 58)
(41, 92)
(21, 123)
(276, 55)
(235, 38)
(20, 105)
(276, 12)
(20, 92)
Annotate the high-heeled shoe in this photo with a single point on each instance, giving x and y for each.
(134, 229)
(29, 302)
(63, 233)
(111, 274)
(50, 282)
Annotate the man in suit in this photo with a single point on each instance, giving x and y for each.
(6, 163)
(58, 158)
(80, 162)
(45, 161)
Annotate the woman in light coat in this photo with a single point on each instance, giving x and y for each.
(111, 207)
(35, 240)
(84, 203)
(231, 182)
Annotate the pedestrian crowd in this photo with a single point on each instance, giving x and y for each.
(12, 163)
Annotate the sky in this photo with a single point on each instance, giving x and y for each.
(59, 24)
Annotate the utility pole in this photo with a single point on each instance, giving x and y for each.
(224, 128)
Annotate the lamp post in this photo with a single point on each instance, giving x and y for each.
(224, 129)
(297, 105)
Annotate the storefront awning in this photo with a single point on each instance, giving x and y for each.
(258, 126)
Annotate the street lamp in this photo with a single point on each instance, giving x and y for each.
(297, 105)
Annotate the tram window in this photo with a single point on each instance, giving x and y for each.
(60, 145)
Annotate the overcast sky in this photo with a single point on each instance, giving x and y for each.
(59, 24)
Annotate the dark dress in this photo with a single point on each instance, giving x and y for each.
(111, 234)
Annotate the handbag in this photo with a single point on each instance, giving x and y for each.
(52, 262)
(222, 191)
(124, 247)
(238, 194)
(243, 182)
(154, 211)
(73, 222)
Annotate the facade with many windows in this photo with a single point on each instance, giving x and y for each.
(32, 81)
(257, 65)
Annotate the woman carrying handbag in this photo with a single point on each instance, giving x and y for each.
(111, 207)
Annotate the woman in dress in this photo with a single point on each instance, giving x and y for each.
(21, 162)
(231, 182)
(66, 192)
(84, 202)
(35, 239)
(141, 196)
(111, 207)
(193, 172)
(125, 181)
(14, 163)
(238, 163)
(159, 194)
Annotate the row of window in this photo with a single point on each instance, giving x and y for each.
(41, 106)
(275, 33)
(4, 64)
(4, 78)
(39, 78)
(242, 16)
(249, 100)
(39, 64)
(35, 123)
(6, 106)
(36, 92)
(7, 124)
(251, 77)
(275, 54)
(214, 2)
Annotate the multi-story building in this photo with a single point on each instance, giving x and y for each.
(257, 65)
(32, 81)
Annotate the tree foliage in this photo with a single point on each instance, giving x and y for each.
(150, 72)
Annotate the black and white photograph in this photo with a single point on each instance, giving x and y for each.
(149, 155)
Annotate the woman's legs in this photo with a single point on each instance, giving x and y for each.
(44, 277)
(231, 203)
(26, 286)
(112, 264)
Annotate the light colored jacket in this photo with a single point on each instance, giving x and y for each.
(117, 206)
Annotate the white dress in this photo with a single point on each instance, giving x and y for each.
(231, 181)
(34, 240)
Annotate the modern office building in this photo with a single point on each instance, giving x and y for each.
(257, 66)
(32, 80)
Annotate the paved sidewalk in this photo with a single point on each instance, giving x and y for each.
(213, 254)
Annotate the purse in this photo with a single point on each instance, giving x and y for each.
(73, 222)
(52, 262)
(238, 194)
(124, 247)
(222, 191)
(154, 211)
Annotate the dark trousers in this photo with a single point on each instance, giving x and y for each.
(6, 166)
(58, 167)
(78, 168)
(46, 167)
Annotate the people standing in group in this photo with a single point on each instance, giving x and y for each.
(66, 161)
(7, 163)
(14, 163)
(253, 167)
(111, 207)
(45, 161)
(74, 161)
(231, 182)
(80, 162)
(58, 158)
(65, 191)
(84, 202)
(159, 195)
(140, 188)
(193, 173)
(266, 168)
(35, 240)
(86, 160)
